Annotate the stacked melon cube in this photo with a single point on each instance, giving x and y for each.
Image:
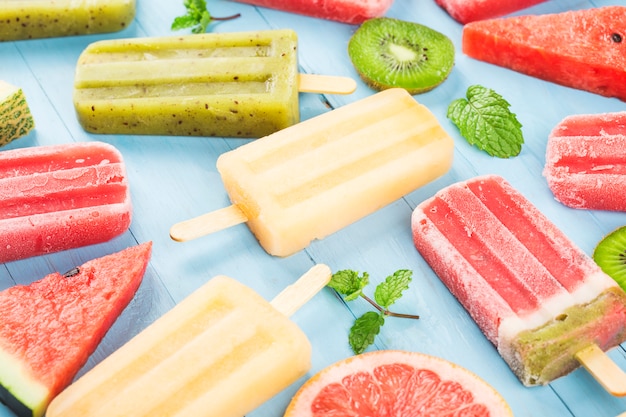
(15, 117)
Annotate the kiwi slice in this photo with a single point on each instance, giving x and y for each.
(610, 255)
(391, 53)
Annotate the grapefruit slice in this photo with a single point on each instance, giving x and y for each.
(48, 329)
(396, 383)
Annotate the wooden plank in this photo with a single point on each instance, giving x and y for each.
(174, 178)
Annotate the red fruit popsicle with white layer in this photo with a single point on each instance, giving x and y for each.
(59, 197)
(346, 11)
(586, 161)
(535, 295)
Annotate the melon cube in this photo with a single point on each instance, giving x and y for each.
(16, 119)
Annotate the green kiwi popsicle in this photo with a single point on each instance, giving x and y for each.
(31, 19)
(242, 84)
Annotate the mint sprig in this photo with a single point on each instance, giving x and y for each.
(485, 121)
(197, 18)
(350, 285)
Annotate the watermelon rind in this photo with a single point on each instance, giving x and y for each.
(19, 391)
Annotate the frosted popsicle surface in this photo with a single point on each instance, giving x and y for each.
(312, 179)
(534, 294)
(240, 84)
(221, 352)
(347, 11)
(586, 161)
(59, 197)
(31, 19)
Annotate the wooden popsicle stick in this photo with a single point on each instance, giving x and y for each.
(330, 84)
(289, 300)
(207, 223)
(603, 369)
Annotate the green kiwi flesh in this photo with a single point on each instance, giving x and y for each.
(391, 53)
(610, 255)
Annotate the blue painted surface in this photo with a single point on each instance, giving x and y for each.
(174, 178)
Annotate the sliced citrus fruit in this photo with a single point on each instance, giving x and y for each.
(396, 383)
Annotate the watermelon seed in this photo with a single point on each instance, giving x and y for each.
(71, 272)
(616, 37)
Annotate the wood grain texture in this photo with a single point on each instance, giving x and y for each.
(174, 179)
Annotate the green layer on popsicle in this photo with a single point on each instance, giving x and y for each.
(542, 301)
(545, 353)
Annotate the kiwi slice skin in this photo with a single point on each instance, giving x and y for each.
(610, 255)
(390, 53)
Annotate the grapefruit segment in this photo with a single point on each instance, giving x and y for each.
(50, 328)
(396, 383)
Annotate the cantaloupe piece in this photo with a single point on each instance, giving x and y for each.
(16, 119)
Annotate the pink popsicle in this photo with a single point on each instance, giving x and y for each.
(534, 294)
(346, 11)
(465, 11)
(586, 161)
(58, 197)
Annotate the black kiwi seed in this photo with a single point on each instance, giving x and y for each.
(610, 255)
(391, 53)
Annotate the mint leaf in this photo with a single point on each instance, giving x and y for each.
(365, 328)
(183, 22)
(197, 18)
(348, 283)
(205, 20)
(390, 290)
(364, 331)
(485, 121)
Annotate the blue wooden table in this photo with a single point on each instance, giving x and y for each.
(174, 178)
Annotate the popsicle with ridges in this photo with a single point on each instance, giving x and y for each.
(312, 179)
(534, 294)
(242, 84)
(59, 197)
(221, 352)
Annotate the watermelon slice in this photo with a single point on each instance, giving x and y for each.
(465, 11)
(583, 49)
(48, 329)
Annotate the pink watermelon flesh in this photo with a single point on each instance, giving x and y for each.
(346, 11)
(53, 325)
(465, 11)
(583, 49)
(586, 161)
